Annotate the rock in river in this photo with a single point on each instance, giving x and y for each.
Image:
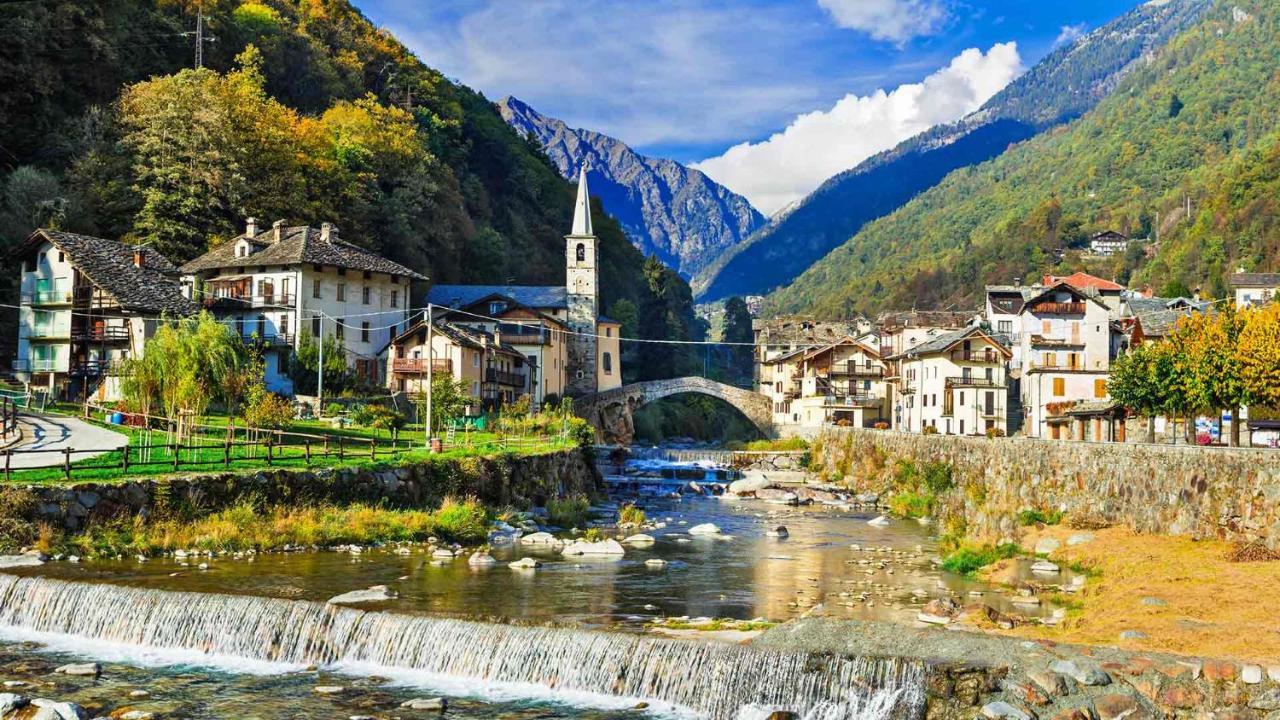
(778, 532)
(778, 496)
(749, 484)
(525, 564)
(705, 529)
(10, 702)
(604, 547)
(54, 710)
(638, 540)
(426, 704)
(17, 561)
(84, 669)
(377, 593)
(539, 538)
(879, 521)
(481, 559)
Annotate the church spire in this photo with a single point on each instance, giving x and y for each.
(582, 208)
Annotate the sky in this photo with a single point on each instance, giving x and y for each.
(768, 97)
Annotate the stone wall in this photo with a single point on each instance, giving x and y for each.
(1233, 494)
(497, 481)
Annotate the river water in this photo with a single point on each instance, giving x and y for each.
(211, 655)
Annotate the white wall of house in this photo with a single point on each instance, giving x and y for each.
(1068, 358)
(973, 400)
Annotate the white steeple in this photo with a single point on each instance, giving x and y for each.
(582, 208)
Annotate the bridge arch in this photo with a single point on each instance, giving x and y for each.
(611, 412)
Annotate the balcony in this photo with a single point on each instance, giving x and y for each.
(46, 298)
(849, 369)
(95, 368)
(1043, 366)
(418, 366)
(503, 377)
(268, 339)
(37, 365)
(518, 334)
(241, 302)
(48, 332)
(974, 382)
(984, 355)
(101, 334)
(852, 401)
(1059, 308)
(1049, 341)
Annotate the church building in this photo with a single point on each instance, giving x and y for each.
(570, 347)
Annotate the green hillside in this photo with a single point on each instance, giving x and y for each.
(1199, 122)
(303, 111)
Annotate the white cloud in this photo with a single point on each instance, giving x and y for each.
(893, 20)
(1070, 33)
(816, 145)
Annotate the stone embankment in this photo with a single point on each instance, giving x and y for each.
(761, 460)
(1230, 494)
(496, 481)
(972, 675)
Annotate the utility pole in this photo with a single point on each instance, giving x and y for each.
(431, 351)
(200, 38)
(320, 371)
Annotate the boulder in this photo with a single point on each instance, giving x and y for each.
(10, 702)
(705, 529)
(1051, 683)
(54, 710)
(1044, 567)
(1046, 545)
(377, 593)
(778, 532)
(525, 564)
(1001, 710)
(81, 669)
(638, 540)
(1083, 674)
(539, 538)
(1118, 707)
(439, 703)
(749, 484)
(442, 554)
(878, 521)
(609, 547)
(655, 563)
(18, 561)
(329, 689)
(778, 496)
(481, 559)
(939, 611)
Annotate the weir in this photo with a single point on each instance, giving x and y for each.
(708, 679)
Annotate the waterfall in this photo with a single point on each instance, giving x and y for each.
(713, 680)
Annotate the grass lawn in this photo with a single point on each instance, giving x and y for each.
(149, 454)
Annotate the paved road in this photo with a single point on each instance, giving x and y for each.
(56, 433)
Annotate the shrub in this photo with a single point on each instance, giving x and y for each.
(994, 432)
(911, 504)
(929, 430)
(568, 512)
(267, 410)
(593, 535)
(629, 514)
(881, 425)
(969, 559)
(1039, 517)
(362, 415)
(937, 476)
(333, 409)
(462, 520)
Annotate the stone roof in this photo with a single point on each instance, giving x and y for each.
(462, 335)
(927, 318)
(943, 342)
(108, 264)
(301, 245)
(1255, 279)
(533, 296)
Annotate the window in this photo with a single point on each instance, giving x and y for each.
(315, 327)
(608, 363)
(342, 272)
(475, 359)
(342, 292)
(365, 294)
(62, 257)
(1059, 387)
(284, 324)
(1100, 388)
(1004, 326)
(581, 253)
(395, 298)
(338, 330)
(364, 331)
(990, 375)
(315, 288)
(608, 332)
(496, 307)
(961, 398)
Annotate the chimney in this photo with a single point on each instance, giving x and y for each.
(1017, 282)
(251, 227)
(138, 257)
(1195, 294)
(277, 227)
(328, 232)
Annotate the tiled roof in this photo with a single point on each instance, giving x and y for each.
(946, 340)
(1268, 280)
(462, 335)
(533, 296)
(108, 264)
(1083, 280)
(300, 245)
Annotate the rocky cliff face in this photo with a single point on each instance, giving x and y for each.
(666, 209)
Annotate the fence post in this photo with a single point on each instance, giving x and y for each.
(126, 458)
(8, 469)
(306, 445)
(339, 448)
(176, 455)
(226, 452)
(66, 462)
(373, 449)
(268, 448)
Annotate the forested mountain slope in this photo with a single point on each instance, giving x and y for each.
(1196, 126)
(304, 111)
(1064, 84)
(666, 209)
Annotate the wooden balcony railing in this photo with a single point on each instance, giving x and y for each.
(857, 370)
(418, 366)
(984, 355)
(503, 377)
(1059, 308)
(106, 334)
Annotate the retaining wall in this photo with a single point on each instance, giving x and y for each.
(497, 481)
(1232, 494)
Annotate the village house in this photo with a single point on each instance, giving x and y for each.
(272, 286)
(492, 372)
(86, 304)
(954, 383)
(782, 336)
(1108, 242)
(1254, 289)
(840, 383)
(573, 348)
(1066, 349)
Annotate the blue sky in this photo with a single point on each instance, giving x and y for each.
(692, 79)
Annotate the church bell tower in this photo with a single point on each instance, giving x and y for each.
(582, 288)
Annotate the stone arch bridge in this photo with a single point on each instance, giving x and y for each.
(611, 411)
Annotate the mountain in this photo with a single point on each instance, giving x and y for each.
(1066, 83)
(667, 209)
(1184, 153)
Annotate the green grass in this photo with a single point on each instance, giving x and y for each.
(211, 458)
(247, 527)
(629, 514)
(970, 558)
(1039, 517)
(568, 512)
(790, 444)
(911, 504)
